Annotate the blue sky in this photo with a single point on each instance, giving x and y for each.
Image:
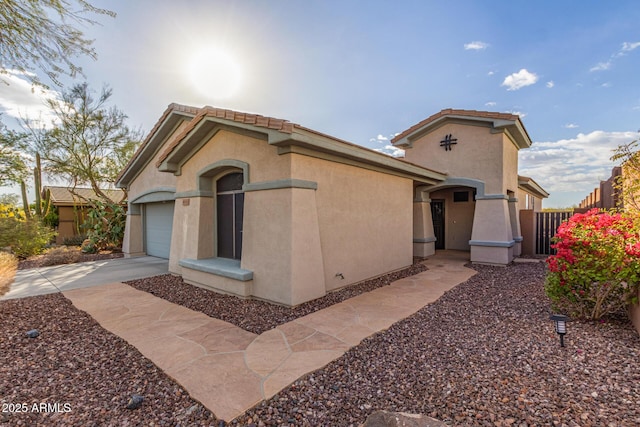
(365, 70)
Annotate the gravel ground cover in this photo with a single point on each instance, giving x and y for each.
(485, 354)
(253, 315)
(78, 374)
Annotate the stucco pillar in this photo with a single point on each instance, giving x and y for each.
(492, 237)
(133, 236)
(281, 244)
(515, 226)
(423, 236)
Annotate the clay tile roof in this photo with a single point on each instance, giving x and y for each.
(453, 112)
(280, 125)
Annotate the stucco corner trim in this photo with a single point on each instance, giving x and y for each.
(280, 183)
(518, 239)
(224, 267)
(204, 182)
(513, 200)
(424, 240)
(492, 243)
(194, 193)
(134, 209)
(422, 192)
(158, 194)
(493, 197)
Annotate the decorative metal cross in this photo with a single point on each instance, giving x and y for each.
(447, 142)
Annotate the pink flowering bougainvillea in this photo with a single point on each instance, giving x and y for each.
(596, 269)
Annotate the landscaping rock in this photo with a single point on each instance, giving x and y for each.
(135, 401)
(400, 419)
(33, 333)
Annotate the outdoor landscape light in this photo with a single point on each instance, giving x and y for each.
(561, 326)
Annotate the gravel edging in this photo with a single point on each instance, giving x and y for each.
(86, 374)
(254, 315)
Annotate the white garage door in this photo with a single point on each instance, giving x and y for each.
(158, 220)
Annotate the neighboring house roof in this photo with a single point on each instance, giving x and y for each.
(61, 196)
(287, 136)
(509, 122)
(530, 186)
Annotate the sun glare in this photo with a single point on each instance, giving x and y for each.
(215, 73)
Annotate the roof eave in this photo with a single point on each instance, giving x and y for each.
(515, 127)
(164, 129)
(529, 185)
(320, 143)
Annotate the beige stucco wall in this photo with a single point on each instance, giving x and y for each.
(365, 219)
(510, 165)
(458, 218)
(478, 154)
(264, 162)
(299, 242)
(281, 245)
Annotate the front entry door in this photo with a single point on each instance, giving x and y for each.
(437, 213)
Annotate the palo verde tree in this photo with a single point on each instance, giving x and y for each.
(44, 35)
(89, 144)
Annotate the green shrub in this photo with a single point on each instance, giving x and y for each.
(596, 270)
(106, 223)
(25, 238)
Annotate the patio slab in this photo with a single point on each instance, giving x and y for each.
(229, 369)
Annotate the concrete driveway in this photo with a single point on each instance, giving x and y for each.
(58, 278)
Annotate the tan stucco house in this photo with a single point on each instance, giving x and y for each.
(262, 207)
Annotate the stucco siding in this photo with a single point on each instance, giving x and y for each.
(365, 219)
(264, 162)
(477, 154)
(510, 165)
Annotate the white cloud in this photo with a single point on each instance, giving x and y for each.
(476, 45)
(628, 47)
(601, 66)
(575, 164)
(491, 104)
(520, 79)
(491, 73)
(19, 100)
(606, 84)
(391, 150)
(624, 49)
(571, 126)
(550, 84)
(384, 147)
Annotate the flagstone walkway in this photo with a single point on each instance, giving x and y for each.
(228, 369)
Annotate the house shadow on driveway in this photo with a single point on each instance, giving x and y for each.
(59, 278)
